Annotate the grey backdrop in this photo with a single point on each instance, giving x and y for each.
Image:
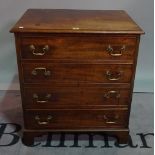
(140, 10)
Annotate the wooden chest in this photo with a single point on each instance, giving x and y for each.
(76, 71)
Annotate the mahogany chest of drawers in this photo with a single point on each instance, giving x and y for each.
(76, 70)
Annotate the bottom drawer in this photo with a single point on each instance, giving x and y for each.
(76, 119)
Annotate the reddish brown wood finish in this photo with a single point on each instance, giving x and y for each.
(84, 79)
(75, 97)
(78, 47)
(66, 72)
(76, 119)
(78, 21)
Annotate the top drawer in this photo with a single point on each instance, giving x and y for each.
(78, 47)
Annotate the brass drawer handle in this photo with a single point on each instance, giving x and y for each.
(42, 52)
(113, 76)
(114, 53)
(48, 96)
(48, 119)
(111, 94)
(46, 72)
(108, 121)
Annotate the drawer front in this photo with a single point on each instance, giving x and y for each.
(76, 119)
(73, 97)
(78, 47)
(65, 72)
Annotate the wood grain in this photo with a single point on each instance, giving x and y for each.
(76, 119)
(76, 73)
(75, 97)
(78, 47)
(85, 69)
(76, 21)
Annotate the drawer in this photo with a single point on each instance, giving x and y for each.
(74, 97)
(76, 119)
(83, 47)
(67, 72)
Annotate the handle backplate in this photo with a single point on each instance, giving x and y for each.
(110, 120)
(39, 53)
(36, 97)
(113, 75)
(116, 53)
(37, 69)
(40, 122)
(112, 94)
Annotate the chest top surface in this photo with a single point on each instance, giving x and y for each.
(79, 21)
